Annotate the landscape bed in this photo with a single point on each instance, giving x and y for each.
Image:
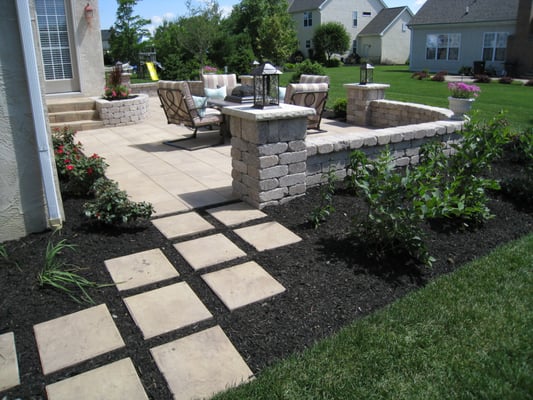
(328, 285)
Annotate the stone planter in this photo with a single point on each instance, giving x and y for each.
(460, 107)
(122, 112)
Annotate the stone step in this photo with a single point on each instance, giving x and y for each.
(64, 105)
(72, 116)
(79, 125)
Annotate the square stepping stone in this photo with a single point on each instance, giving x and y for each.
(69, 340)
(116, 381)
(242, 284)
(235, 214)
(166, 309)
(269, 235)
(200, 365)
(140, 269)
(209, 250)
(9, 369)
(181, 225)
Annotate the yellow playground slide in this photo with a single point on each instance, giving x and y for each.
(151, 69)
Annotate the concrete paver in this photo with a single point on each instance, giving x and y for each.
(9, 370)
(199, 365)
(242, 284)
(140, 269)
(73, 338)
(181, 225)
(116, 381)
(166, 309)
(209, 250)
(268, 235)
(236, 213)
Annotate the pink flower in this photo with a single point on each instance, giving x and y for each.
(70, 167)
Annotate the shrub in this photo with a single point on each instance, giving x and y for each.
(333, 63)
(77, 172)
(482, 78)
(439, 76)
(529, 83)
(112, 205)
(326, 208)
(505, 80)
(307, 67)
(391, 225)
(339, 107)
(420, 75)
(465, 70)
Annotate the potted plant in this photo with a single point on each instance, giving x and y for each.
(461, 99)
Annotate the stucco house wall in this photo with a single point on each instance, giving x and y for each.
(22, 203)
(471, 48)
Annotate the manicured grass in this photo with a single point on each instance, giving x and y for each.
(468, 335)
(516, 99)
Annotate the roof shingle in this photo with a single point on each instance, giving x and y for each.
(304, 5)
(382, 21)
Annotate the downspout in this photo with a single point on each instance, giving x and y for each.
(39, 122)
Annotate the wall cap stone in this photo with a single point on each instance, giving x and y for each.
(284, 111)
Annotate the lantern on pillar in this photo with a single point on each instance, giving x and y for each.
(367, 74)
(266, 85)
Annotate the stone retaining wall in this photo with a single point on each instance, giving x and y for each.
(122, 112)
(144, 88)
(325, 153)
(387, 113)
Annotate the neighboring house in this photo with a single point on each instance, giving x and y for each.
(47, 47)
(450, 34)
(386, 39)
(355, 15)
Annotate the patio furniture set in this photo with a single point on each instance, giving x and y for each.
(198, 105)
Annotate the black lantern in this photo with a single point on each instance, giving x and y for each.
(367, 74)
(266, 85)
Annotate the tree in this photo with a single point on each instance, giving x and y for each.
(269, 25)
(331, 38)
(127, 33)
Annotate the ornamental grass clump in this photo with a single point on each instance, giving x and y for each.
(461, 90)
(115, 90)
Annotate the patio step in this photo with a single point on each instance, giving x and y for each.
(78, 113)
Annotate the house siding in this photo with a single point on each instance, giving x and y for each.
(396, 42)
(471, 45)
(22, 203)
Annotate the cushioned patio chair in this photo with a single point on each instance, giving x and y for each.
(312, 95)
(217, 81)
(182, 108)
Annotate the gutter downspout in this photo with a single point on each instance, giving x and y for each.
(34, 86)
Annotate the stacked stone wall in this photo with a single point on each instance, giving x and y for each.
(386, 113)
(122, 112)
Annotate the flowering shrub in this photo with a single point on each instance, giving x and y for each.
(114, 90)
(209, 70)
(461, 90)
(77, 172)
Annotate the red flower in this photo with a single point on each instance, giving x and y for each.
(95, 156)
(89, 171)
(70, 167)
(67, 161)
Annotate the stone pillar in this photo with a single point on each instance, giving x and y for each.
(268, 153)
(359, 98)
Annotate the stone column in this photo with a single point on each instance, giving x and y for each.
(359, 98)
(268, 153)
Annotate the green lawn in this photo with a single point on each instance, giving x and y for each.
(516, 99)
(467, 335)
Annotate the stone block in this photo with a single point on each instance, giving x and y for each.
(291, 180)
(297, 167)
(293, 129)
(240, 166)
(312, 149)
(274, 194)
(273, 172)
(297, 145)
(294, 157)
(297, 189)
(273, 148)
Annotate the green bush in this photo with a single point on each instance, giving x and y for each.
(112, 205)
(77, 172)
(391, 226)
(333, 63)
(307, 67)
(326, 208)
(339, 107)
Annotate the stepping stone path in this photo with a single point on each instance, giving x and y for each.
(195, 366)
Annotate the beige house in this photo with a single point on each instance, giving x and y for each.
(48, 48)
(386, 39)
(356, 15)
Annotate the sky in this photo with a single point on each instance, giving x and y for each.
(159, 10)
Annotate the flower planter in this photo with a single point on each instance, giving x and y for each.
(123, 112)
(460, 107)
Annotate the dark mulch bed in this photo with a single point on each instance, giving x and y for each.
(328, 284)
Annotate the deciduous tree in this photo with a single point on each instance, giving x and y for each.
(331, 38)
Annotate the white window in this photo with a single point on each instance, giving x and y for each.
(494, 46)
(307, 44)
(444, 46)
(354, 18)
(308, 18)
(404, 27)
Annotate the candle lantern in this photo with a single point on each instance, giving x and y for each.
(266, 85)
